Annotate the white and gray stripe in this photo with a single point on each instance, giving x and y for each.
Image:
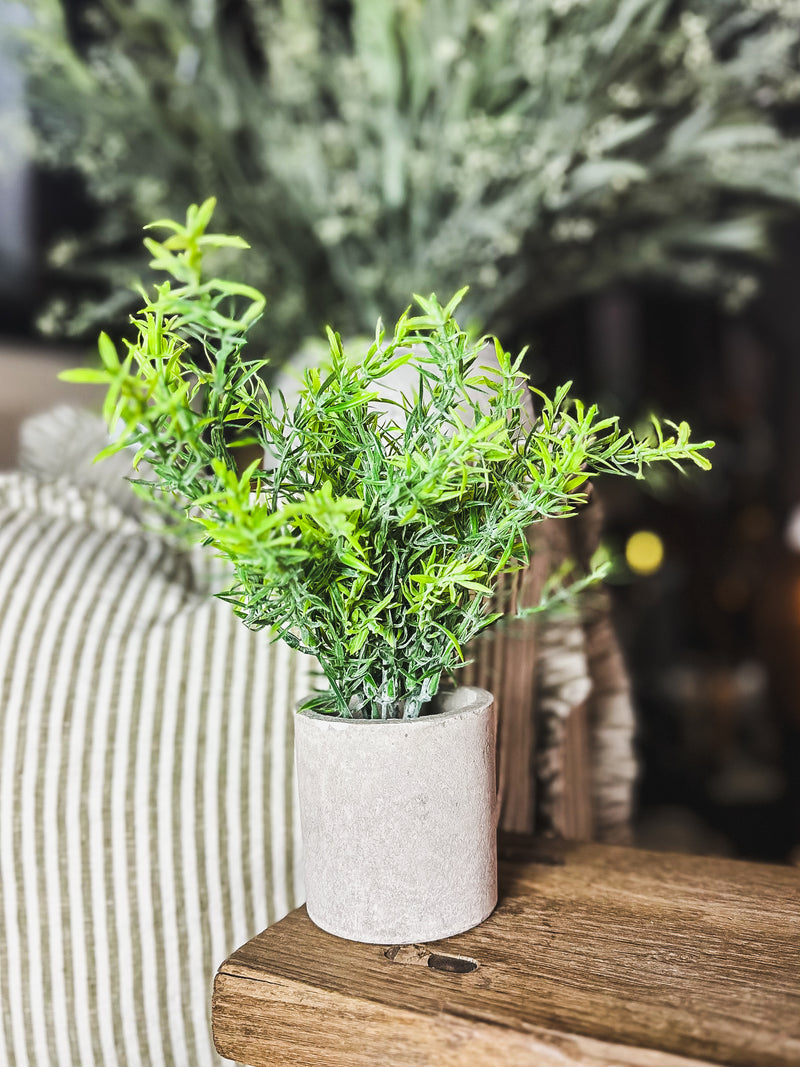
(147, 815)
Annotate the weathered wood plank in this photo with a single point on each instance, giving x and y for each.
(287, 1024)
(592, 949)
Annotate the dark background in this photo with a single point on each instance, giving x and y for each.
(712, 638)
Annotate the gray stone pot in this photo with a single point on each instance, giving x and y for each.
(399, 821)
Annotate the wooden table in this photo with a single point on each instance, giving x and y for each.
(595, 955)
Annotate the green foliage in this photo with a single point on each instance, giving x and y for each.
(534, 149)
(375, 529)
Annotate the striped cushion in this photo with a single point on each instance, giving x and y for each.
(148, 822)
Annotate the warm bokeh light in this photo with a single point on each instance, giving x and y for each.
(644, 552)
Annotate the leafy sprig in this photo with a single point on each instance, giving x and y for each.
(374, 530)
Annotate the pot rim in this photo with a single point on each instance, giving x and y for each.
(480, 701)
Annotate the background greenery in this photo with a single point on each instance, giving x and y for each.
(533, 149)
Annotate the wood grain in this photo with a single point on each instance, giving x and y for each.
(595, 955)
(304, 1027)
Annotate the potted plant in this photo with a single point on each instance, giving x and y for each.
(368, 532)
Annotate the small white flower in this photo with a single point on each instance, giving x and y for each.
(447, 50)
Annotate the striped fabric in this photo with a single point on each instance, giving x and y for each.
(148, 822)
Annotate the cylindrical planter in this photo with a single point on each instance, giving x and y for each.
(399, 821)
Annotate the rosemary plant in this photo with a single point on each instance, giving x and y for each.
(373, 530)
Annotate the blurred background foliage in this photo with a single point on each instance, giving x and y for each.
(533, 149)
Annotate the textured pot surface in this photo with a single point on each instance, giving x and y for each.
(399, 821)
